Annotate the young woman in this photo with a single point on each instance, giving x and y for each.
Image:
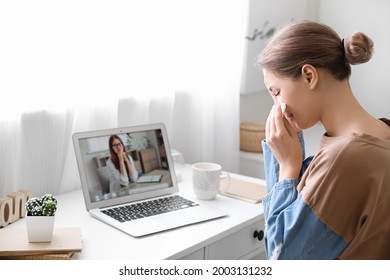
(121, 164)
(336, 204)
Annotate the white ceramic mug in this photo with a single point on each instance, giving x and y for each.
(206, 177)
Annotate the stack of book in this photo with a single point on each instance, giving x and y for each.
(243, 190)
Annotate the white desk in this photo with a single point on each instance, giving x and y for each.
(226, 238)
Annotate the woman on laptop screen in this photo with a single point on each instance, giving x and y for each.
(121, 164)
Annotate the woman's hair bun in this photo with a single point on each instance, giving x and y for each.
(358, 48)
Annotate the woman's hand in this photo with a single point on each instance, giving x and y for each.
(283, 140)
(125, 158)
(127, 163)
(121, 157)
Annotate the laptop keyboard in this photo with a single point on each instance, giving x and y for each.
(149, 208)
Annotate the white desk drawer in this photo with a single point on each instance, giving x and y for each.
(241, 244)
(197, 255)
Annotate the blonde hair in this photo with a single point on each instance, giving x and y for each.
(307, 42)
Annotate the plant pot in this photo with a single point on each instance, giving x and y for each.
(40, 228)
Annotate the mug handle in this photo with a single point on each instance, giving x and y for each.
(224, 176)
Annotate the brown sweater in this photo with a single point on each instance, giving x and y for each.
(347, 186)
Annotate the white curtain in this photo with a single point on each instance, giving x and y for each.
(81, 65)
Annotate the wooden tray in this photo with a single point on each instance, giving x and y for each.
(14, 244)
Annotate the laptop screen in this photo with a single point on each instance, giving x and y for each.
(124, 164)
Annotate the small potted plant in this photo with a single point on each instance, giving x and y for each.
(40, 218)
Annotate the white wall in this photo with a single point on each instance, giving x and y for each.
(370, 81)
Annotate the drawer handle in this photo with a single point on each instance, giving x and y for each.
(258, 234)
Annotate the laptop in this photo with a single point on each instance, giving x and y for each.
(128, 181)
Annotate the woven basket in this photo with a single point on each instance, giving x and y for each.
(251, 134)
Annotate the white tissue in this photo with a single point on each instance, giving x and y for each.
(283, 106)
